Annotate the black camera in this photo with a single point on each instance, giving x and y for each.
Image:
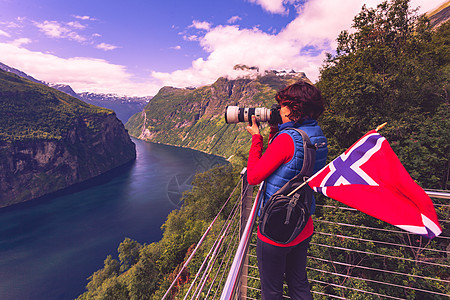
(235, 114)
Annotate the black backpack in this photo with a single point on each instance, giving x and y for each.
(287, 211)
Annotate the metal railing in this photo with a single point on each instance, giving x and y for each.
(231, 285)
(347, 259)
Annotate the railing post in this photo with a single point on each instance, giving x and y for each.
(231, 284)
(246, 203)
(246, 206)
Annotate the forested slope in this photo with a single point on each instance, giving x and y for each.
(194, 118)
(50, 140)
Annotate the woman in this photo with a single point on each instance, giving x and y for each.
(301, 104)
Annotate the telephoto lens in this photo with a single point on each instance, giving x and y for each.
(236, 114)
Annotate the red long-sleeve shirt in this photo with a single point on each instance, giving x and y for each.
(260, 166)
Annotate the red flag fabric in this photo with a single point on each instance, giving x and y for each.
(369, 176)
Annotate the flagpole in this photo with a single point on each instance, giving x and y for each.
(381, 126)
(299, 187)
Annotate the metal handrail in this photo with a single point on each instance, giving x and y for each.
(438, 194)
(202, 239)
(232, 280)
(236, 284)
(230, 287)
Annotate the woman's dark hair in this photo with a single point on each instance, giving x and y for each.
(303, 99)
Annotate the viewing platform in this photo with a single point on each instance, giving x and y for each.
(351, 255)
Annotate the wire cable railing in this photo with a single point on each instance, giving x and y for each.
(202, 239)
(231, 284)
(216, 248)
(348, 258)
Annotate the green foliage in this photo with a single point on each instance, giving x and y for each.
(128, 253)
(143, 278)
(135, 124)
(30, 111)
(393, 69)
(103, 282)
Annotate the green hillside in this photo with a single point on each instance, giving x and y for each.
(194, 118)
(30, 110)
(50, 140)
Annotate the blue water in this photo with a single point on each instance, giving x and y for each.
(49, 247)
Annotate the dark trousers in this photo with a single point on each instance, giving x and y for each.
(276, 262)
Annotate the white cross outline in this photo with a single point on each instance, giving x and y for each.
(356, 166)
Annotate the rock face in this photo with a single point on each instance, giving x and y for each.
(194, 118)
(50, 141)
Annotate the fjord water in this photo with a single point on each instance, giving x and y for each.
(48, 247)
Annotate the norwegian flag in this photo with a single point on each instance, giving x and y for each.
(370, 177)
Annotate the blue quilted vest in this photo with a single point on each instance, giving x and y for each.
(288, 170)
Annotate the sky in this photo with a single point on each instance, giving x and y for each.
(135, 47)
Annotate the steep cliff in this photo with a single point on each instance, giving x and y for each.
(194, 118)
(50, 140)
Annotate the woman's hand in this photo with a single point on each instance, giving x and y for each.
(254, 129)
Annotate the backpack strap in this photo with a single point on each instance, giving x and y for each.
(309, 159)
(309, 151)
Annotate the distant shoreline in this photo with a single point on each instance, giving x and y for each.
(179, 146)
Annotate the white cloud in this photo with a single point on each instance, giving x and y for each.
(178, 47)
(21, 41)
(301, 45)
(320, 21)
(52, 29)
(55, 29)
(85, 18)
(427, 5)
(76, 25)
(106, 47)
(229, 45)
(272, 6)
(200, 25)
(191, 38)
(234, 19)
(81, 73)
(4, 33)
(12, 24)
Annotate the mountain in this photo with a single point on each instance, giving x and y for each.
(123, 106)
(50, 140)
(63, 88)
(194, 118)
(440, 15)
(19, 73)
